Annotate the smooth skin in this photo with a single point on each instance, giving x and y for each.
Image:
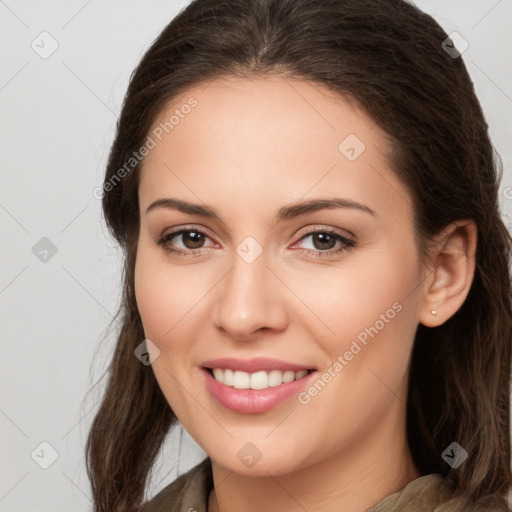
(247, 149)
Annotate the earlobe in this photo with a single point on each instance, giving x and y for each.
(449, 280)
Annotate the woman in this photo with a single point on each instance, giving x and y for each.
(317, 277)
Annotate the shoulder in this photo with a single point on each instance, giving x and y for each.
(436, 493)
(459, 502)
(188, 493)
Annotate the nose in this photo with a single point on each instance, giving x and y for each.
(249, 300)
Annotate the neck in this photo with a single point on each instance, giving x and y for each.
(352, 479)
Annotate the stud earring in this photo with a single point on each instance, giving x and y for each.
(434, 312)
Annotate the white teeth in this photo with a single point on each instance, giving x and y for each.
(259, 380)
(288, 376)
(241, 380)
(228, 377)
(256, 380)
(275, 378)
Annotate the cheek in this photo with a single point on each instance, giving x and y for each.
(380, 323)
(149, 294)
(162, 307)
(171, 299)
(340, 303)
(371, 314)
(155, 293)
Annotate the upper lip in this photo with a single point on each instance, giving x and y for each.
(254, 365)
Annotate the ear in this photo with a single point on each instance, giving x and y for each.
(448, 280)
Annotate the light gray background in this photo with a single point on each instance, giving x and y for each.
(57, 122)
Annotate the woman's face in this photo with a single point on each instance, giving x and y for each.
(331, 289)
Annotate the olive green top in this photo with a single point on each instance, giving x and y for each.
(190, 493)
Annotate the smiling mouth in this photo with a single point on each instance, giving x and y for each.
(262, 379)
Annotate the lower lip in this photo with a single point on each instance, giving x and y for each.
(251, 401)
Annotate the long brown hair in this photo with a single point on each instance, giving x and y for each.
(387, 56)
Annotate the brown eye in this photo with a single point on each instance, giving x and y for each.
(323, 241)
(184, 241)
(192, 239)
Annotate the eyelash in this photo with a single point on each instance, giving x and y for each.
(347, 243)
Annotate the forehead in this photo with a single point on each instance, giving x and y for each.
(294, 110)
(270, 137)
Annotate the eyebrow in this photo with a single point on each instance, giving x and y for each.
(284, 213)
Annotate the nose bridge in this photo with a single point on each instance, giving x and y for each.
(250, 298)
